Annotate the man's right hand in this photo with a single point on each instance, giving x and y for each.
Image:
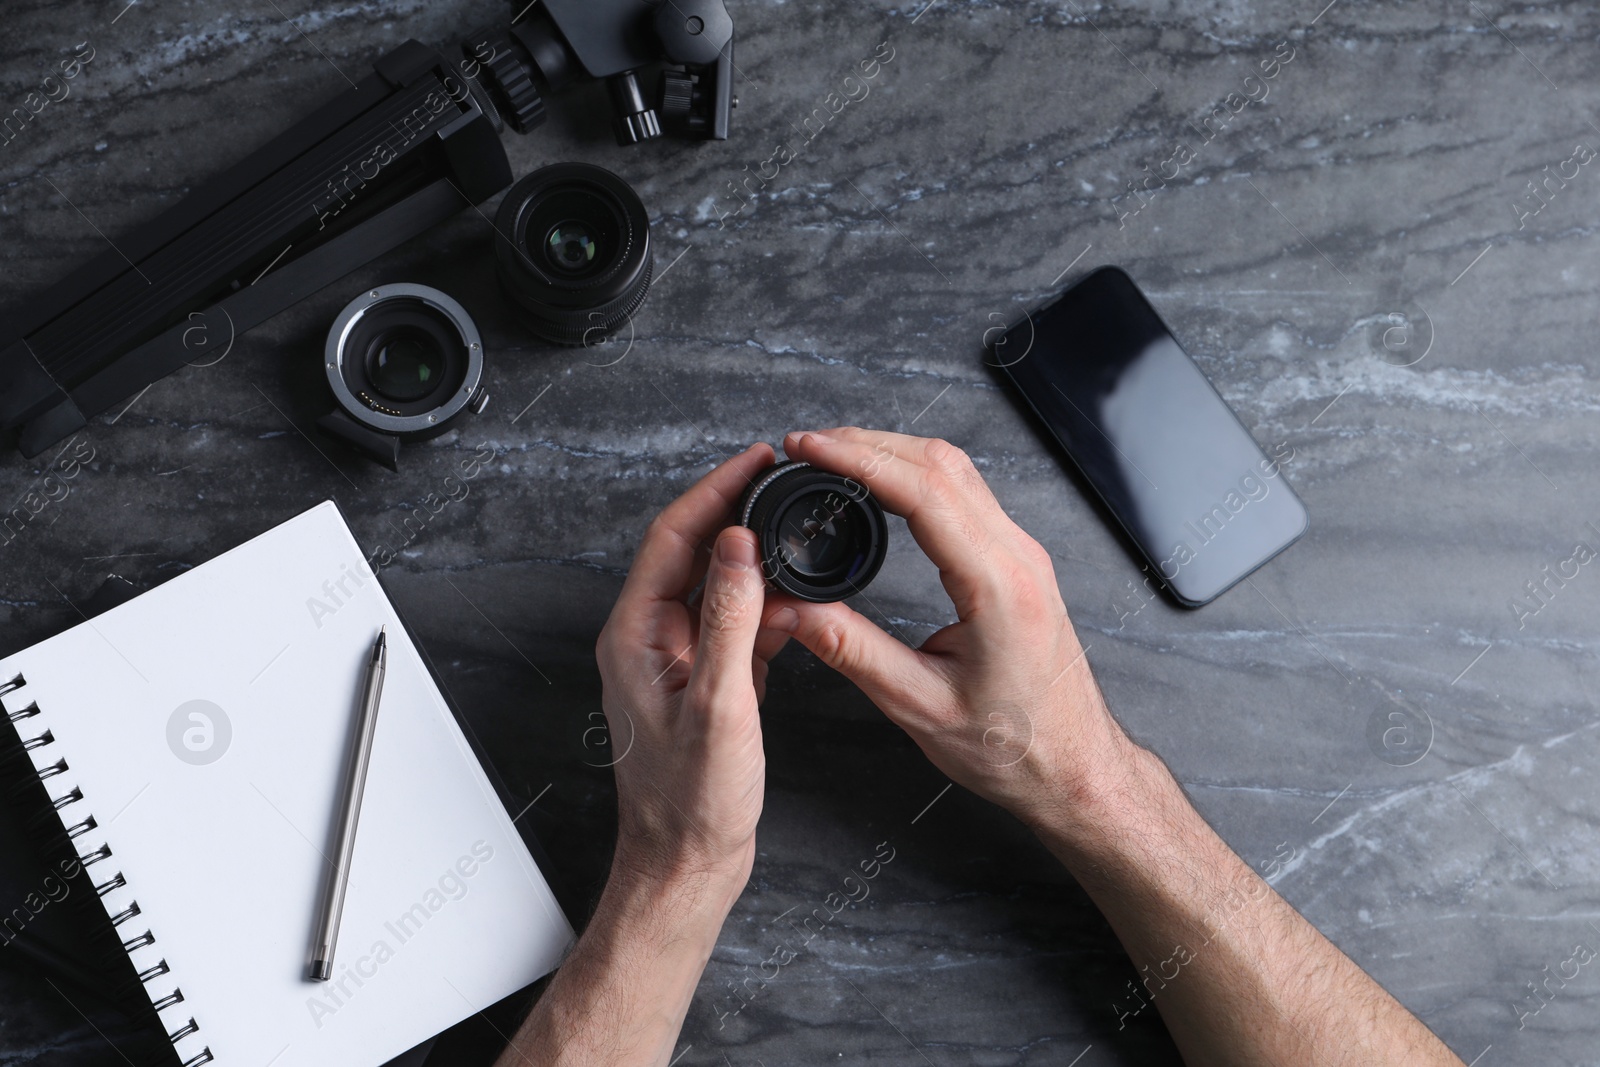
(1002, 700)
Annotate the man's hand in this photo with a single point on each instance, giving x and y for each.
(682, 680)
(1003, 700)
(682, 685)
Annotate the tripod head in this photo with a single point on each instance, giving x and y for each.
(412, 144)
(558, 42)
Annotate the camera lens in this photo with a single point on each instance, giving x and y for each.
(404, 360)
(572, 249)
(822, 537)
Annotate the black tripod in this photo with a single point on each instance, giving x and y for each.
(413, 143)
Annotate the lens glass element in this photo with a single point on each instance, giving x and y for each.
(570, 246)
(405, 356)
(405, 363)
(820, 537)
(577, 230)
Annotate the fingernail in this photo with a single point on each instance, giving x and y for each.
(785, 619)
(736, 551)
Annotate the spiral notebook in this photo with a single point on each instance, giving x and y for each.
(191, 744)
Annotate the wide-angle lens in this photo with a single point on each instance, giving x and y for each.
(822, 537)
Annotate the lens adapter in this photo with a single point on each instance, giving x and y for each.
(572, 249)
(404, 362)
(822, 537)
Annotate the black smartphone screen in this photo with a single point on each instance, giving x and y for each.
(1168, 456)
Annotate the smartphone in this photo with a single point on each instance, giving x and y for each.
(1199, 498)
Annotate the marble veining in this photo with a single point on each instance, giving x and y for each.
(1353, 258)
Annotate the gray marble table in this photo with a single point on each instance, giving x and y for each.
(1370, 222)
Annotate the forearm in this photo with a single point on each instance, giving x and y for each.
(621, 995)
(1239, 976)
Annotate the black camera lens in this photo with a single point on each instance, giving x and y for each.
(822, 537)
(403, 361)
(572, 249)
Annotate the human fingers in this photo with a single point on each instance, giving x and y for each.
(730, 616)
(769, 642)
(924, 451)
(666, 567)
(932, 484)
(898, 679)
(931, 452)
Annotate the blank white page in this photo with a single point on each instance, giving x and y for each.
(446, 911)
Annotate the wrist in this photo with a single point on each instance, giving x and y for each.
(694, 890)
(1082, 765)
(1088, 819)
(621, 995)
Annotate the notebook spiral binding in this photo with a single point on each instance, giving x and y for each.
(85, 825)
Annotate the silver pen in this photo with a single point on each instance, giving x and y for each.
(350, 812)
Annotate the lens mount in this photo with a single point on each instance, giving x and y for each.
(822, 537)
(572, 250)
(404, 360)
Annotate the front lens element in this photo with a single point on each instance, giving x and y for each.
(578, 228)
(820, 536)
(570, 246)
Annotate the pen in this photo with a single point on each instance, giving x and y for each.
(349, 813)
